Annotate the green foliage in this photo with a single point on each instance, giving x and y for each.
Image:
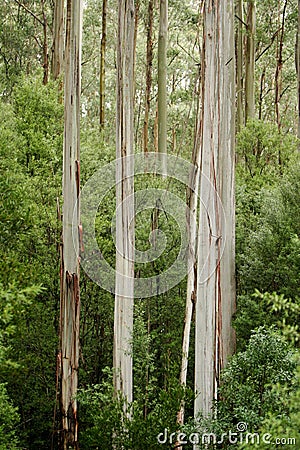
(267, 309)
(281, 428)
(251, 374)
(266, 235)
(9, 420)
(14, 303)
(264, 151)
(106, 425)
(30, 179)
(39, 120)
(251, 388)
(268, 253)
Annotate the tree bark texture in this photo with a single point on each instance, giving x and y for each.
(70, 299)
(123, 315)
(148, 74)
(58, 39)
(298, 70)
(279, 58)
(239, 65)
(250, 62)
(191, 293)
(214, 335)
(102, 64)
(162, 79)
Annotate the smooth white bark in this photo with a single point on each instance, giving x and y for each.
(123, 317)
(70, 300)
(214, 336)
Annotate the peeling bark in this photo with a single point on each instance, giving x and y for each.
(123, 315)
(214, 335)
(191, 294)
(70, 297)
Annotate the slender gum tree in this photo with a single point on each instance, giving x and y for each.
(214, 335)
(70, 299)
(250, 62)
(58, 39)
(102, 64)
(162, 79)
(123, 315)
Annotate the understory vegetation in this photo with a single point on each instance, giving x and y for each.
(259, 390)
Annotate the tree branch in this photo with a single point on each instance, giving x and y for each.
(30, 12)
(238, 18)
(268, 46)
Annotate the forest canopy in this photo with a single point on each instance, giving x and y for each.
(149, 205)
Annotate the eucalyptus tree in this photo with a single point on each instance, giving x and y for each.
(191, 290)
(148, 73)
(239, 64)
(298, 68)
(124, 283)
(250, 61)
(162, 78)
(70, 298)
(214, 336)
(58, 39)
(102, 64)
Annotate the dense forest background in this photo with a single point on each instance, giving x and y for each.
(260, 385)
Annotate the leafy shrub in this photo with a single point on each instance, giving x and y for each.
(246, 394)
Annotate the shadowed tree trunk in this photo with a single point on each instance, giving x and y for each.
(70, 299)
(102, 64)
(214, 335)
(162, 80)
(278, 73)
(45, 45)
(58, 39)
(298, 70)
(250, 62)
(148, 73)
(239, 65)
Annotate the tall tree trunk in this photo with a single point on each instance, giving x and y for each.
(102, 64)
(148, 74)
(58, 39)
(239, 65)
(214, 335)
(70, 300)
(123, 316)
(45, 45)
(191, 293)
(250, 62)
(136, 25)
(162, 80)
(298, 70)
(261, 93)
(278, 73)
